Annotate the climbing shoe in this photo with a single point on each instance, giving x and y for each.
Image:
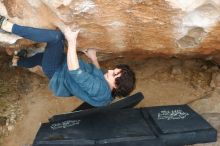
(2, 18)
(22, 53)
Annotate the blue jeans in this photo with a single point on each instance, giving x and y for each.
(53, 56)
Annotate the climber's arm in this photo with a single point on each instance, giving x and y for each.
(91, 54)
(72, 58)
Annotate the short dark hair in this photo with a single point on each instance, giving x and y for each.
(125, 83)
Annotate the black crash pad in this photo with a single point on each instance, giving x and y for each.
(85, 109)
(126, 102)
(179, 124)
(113, 127)
(151, 126)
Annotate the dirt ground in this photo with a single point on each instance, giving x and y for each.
(26, 101)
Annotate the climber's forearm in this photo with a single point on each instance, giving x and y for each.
(95, 62)
(72, 58)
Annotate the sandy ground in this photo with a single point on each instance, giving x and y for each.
(162, 81)
(37, 107)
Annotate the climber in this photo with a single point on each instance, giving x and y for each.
(68, 75)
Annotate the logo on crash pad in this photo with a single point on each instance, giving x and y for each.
(172, 115)
(65, 124)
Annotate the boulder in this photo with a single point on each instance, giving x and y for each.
(128, 27)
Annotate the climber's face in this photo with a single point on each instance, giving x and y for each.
(111, 75)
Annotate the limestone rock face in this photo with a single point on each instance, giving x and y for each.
(127, 27)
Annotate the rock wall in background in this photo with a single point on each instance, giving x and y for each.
(127, 27)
